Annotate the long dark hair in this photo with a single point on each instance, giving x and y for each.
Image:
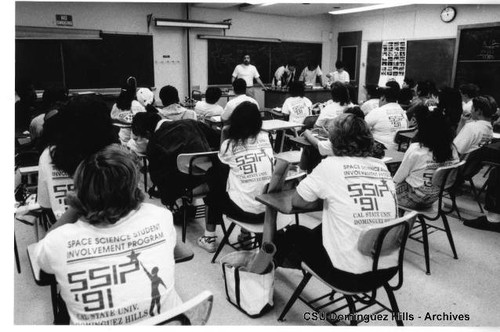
(450, 101)
(340, 93)
(85, 128)
(245, 123)
(436, 134)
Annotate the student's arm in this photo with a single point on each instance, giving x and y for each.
(310, 138)
(232, 79)
(463, 141)
(299, 202)
(406, 166)
(70, 216)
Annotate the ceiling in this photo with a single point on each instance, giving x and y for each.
(283, 9)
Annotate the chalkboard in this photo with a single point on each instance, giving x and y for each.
(224, 55)
(478, 58)
(430, 59)
(86, 64)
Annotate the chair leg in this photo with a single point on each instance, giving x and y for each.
(295, 296)
(476, 196)
(16, 255)
(394, 304)
(145, 164)
(352, 309)
(184, 219)
(222, 243)
(454, 205)
(425, 240)
(448, 233)
(297, 219)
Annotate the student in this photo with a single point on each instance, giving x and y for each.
(209, 107)
(432, 148)
(340, 75)
(113, 219)
(171, 109)
(285, 75)
(312, 74)
(387, 119)
(450, 102)
(372, 98)
(340, 101)
(247, 72)
(407, 92)
(479, 130)
(146, 98)
(468, 92)
(297, 106)
(124, 109)
(330, 249)
(25, 106)
(240, 89)
(248, 154)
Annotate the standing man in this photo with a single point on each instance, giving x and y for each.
(312, 74)
(247, 72)
(340, 75)
(286, 74)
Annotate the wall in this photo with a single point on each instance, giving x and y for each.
(408, 22)
(131, 18)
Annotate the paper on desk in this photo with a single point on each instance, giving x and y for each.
(216, 118)
(386, 159)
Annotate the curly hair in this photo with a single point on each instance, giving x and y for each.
(84, 128)
(351, 137)
(106, 186)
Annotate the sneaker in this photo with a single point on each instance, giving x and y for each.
(208, 243)
(483, 224)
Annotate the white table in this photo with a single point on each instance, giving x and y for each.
(279, 125)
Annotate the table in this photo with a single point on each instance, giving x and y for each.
(276, 98)
(279, 125)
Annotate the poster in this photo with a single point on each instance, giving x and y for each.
(393, 62)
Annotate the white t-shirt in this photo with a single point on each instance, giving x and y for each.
(309, 76)
(204, 109)
(418, 167)
(297, 107)
(231, 105)
(126, 116)
(340, 77)
(473, 135)
(246, 72)
(358, 194)
(369, 105)
(251, 167)
(102, 269)
(330, 112)
(53, 185)
(385, 121)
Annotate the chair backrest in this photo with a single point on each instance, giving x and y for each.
(309, 121)
(195, 311)
(386, 239)
(196, 163)
(445, 177)
(196, 95)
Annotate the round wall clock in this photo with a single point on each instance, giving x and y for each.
(448, 14)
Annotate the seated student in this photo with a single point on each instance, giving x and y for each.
(209, 107)
(330, 249)
(312, 74)
(407, 92)
(387, 119)
(372, 98)
(171, 109)
(450, 102)
(468, 92)
(146, 98)
(248, 154)
(432, 148)
(479, 130)
(166, 140)
(340, 101)
(240, 89)
(124, 109)
(113, 219)
(297, 106)
(340, 75)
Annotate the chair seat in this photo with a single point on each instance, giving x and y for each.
(257, 228)
(201, 190)
(293, 157)
(430, 211)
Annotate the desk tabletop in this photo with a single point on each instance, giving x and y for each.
(396, 156)
(282, 202)
(270, 125)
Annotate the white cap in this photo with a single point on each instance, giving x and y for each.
(145, 96)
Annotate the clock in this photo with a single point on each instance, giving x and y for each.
(448, 14)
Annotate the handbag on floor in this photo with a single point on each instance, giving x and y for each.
(251, 293)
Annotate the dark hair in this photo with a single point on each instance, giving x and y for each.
(394, 85)
(340, 93)
(391, 93)
(25, 88)
(356, 110)
(423, 89)
(483, 104)
(420, 111)
(151, 109)
(339, 64)
(124, 100)
(292, 63)
(245, 122)
(436, 134)
(470, 90)
(53, 96)
(239, 86)
(350, 136)
(85, 128)
(450, 102)
(213, 94)
(144, 123)
(352, 92)
(372, 90)
(106, 186)
(169, 95)
(296, 89)
(410, 82)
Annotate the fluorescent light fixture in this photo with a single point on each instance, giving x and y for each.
(368, 8)
(267, 4)
(266, 40)
(160, 22)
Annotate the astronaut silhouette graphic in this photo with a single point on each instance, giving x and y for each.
(155, 293)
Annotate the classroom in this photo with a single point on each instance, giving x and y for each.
(258, 163)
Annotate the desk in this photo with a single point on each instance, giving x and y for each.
(276, 98)
(214, 121)
(122, 125)
(276, 125)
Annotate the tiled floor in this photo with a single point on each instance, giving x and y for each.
(468, 286)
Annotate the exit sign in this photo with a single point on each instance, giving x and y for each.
(64, 20)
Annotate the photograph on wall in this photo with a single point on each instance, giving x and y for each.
(393, 61)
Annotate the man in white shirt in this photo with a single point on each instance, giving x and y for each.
(286, 74)
(240, 88)
(387, 119)
(247, 72)
(312, 74)
(340, 75)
